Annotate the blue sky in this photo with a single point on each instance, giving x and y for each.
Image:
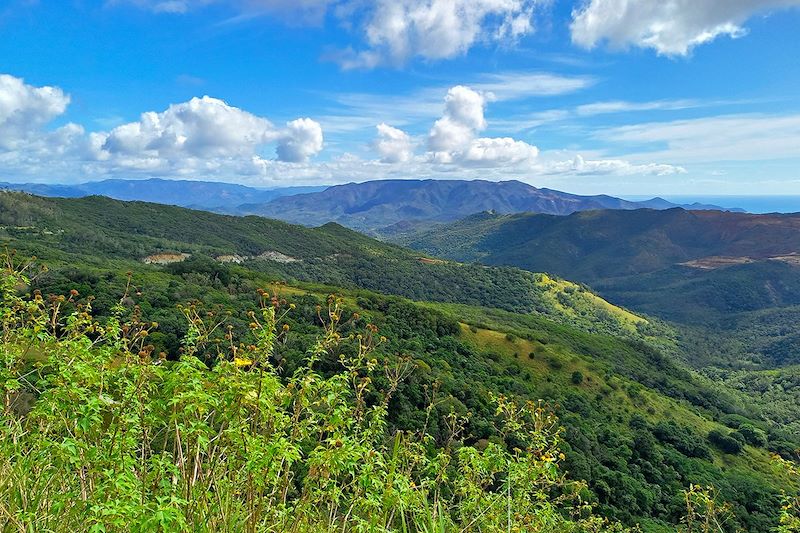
(590, 96)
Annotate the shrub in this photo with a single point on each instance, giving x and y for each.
(682, 439)
(726, 443)
(752, 435)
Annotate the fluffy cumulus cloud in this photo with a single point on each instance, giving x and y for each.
(302, 140)
(204, 137)
(206, 129)
(201, 127)
(397, 30)
(393, 144)
(453, 138)
(498, 151)
(670, 27)
(463, 118)
(24, 109)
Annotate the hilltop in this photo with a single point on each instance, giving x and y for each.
(382, 207)
(599, 245)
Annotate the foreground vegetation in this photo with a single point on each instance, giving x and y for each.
(638, 425)
(99, 433)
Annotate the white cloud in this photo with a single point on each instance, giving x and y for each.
(621, 106)
(750, 137)
(573, 116)
(397, 30)
(206, 138)
(580, 166)
(202, 127)
(393, 145)
(670, 27)
(357, 111)
(203, 137)
(463, 117)
(302, 141)
(205, 129)
(465, 106)
(453, 137)
(498, 151)
(393, 31)
(448, 136)
(24, 109)
(516, 85)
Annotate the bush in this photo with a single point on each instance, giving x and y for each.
(682, 439)
(726, 443)
(577, 377)
(752, 435)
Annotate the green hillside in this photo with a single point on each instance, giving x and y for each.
(729, 282)
(639, 426)
(78, 231)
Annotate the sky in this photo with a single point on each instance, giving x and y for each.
(624, 97)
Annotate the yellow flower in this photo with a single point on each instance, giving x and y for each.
(242, 361)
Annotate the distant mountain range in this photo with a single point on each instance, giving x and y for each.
(206, 195)
(374, 206)
(383, 206)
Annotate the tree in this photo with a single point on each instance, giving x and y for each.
(726, 443)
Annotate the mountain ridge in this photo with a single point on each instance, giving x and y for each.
(372, 206)
(635, 417)
(369, 206)
(207, 195)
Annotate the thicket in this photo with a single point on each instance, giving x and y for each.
(101, 433)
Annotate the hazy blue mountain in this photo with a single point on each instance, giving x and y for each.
(373, 206)
(213, 196)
